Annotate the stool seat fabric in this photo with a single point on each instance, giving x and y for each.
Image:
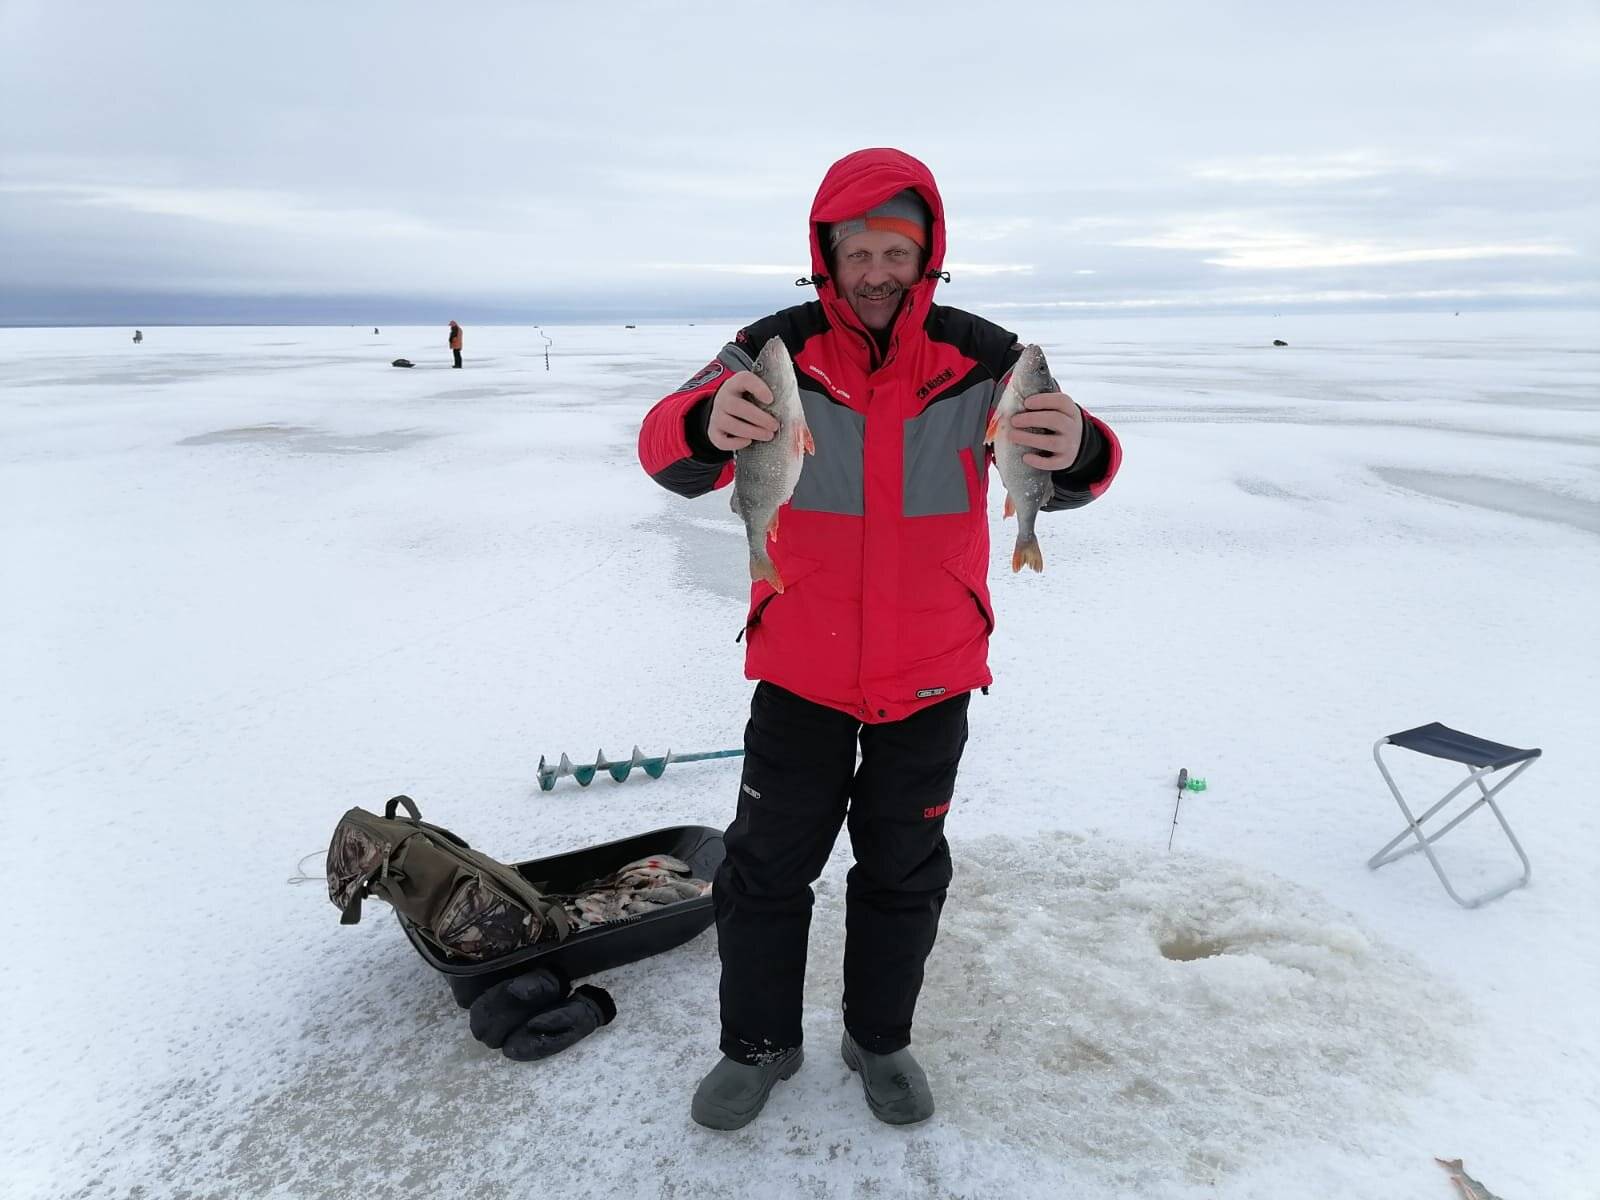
(1440, 741)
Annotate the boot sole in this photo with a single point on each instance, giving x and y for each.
(726, 1119)
(887, 1116)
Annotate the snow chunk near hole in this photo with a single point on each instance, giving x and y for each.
(1165, 1016)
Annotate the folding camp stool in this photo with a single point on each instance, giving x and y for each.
(1482, 758)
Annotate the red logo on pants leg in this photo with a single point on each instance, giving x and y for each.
(938, 810)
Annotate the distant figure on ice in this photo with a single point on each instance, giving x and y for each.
(138, 336)
(374, 329)
(455, 341)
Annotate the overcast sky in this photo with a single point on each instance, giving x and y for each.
(546, 159)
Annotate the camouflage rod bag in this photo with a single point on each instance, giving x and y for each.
(461, 900)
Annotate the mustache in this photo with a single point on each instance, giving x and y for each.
(881, 292)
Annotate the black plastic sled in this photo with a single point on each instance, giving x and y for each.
(614, 944)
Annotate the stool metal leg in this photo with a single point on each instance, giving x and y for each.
(1424, 843)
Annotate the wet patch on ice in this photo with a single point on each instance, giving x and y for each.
(1514, 496)
(1256, 486)
(179, 368)
(303, 439)
(484, 393)
(708, 553)
(1268, 414)
(1095, 1015)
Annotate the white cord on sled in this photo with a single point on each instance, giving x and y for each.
(300, 875)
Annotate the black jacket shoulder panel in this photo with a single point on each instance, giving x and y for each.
(983, 341)
(796, 326)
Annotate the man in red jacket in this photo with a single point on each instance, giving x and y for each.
(881, 632)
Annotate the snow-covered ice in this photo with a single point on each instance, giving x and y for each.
(253, 576)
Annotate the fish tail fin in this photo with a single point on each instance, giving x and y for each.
(763, 568)
(1027, 552)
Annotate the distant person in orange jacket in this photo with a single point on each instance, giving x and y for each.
(455, 341)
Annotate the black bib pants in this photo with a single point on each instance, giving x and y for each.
(801, 783)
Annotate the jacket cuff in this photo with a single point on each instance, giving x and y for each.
(1090, 463)
(1091, 471)
(696, 431)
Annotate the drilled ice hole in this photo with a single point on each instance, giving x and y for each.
(1187, 946)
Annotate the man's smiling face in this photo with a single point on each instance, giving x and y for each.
(872, 271)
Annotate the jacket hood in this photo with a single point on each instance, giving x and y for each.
(861, 181)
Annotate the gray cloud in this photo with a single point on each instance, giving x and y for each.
(563, 157)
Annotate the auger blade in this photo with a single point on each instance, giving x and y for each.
(654, 766)
(621, 770)
(585, 774)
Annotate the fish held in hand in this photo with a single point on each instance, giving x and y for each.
(1027, 487)
(765, 473)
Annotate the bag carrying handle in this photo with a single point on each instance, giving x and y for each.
(407, 803)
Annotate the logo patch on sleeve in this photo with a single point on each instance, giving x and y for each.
(704, 376)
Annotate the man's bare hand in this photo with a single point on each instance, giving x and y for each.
(1053, 426)
(736, 420)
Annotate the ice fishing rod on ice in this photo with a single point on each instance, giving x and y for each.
(1185, 784)
(1183, 780)
(653, 766)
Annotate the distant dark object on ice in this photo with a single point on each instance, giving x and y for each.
(374, 329)
(630, 327)
(1279, 342)
(402, 362)
(138, 336)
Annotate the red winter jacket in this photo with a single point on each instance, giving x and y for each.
(884, 549)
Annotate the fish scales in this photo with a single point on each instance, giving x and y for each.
(1028, 488)
(765, 473)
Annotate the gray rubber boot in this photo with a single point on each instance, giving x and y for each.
(896, 1088)
(733, 1093)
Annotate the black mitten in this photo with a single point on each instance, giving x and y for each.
(506, 1006)
(554, 1029)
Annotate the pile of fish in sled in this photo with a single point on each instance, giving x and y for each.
(766, 473)
(638, 888)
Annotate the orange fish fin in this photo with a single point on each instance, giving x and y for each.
(993, 431)
(1011, 509)
(1028, 554)
(806, 444)
(772, 529)
(763, 569)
